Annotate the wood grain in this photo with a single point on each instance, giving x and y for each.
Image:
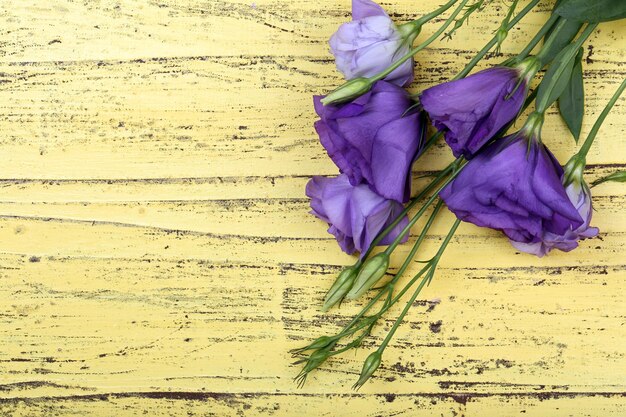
(156, 252)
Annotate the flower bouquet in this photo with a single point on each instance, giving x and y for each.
(505, 179)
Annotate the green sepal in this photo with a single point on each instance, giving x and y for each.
(348, 91)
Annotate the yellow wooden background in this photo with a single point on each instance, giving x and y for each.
(157, 258)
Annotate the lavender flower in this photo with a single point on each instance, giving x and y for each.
(470, 111)
(371, 43)
(374, 138)
(355, 214)
(514, 185)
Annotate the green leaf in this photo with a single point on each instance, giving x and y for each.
(592, 10)
(617, 176)
(572, 101)
(562, 38)
(556, 78)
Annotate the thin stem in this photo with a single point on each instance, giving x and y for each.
(421, 211)
(431, 141)
(448, 238)
(421, 285)
(502, 31)
(347, 330)
(408, 305)
(582, 153)
(408, 208)
(511, 11)
(430, 16)
(421, 46)
(404, 290)
(540, 34)
(468, 68)
(419, 241)
(356, 318)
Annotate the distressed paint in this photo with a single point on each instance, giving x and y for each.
(157, 258)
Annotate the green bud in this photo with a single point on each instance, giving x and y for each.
(371, 272)
(370, 366)
(314, 360)
(320, 343)
(348, 91)
(340, 288)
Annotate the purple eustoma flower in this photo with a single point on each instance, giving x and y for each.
(371, 43)
(355, 214)
(514, 185)
(470, 111)
(374, 138)
(580, 196)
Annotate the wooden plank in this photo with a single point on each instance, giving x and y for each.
(157, 257)
(221, 404)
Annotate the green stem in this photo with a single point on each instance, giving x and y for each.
(404, 290)
(582, 153)
(542, 106)
(510, 12)
(347, 329)
(421, 285)
(431, 141)
(419, 241)
(540, 34)
(408, 305)
(447, 240)
(421, 211)
(413, 202)
(389, 287)
(421, 46)
(430, 16)
(468, 68)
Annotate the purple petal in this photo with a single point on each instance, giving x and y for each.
(472, 110)
(366, 8)
(355, 214)
(373, 139)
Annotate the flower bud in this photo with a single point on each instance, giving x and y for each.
(340, 288)
(320, 343)
(370, 366)
(348, 91)
(371, 272)
(314, 360)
